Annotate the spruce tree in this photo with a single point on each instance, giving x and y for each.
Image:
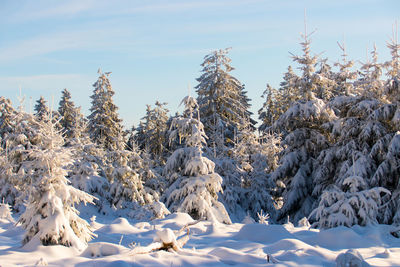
(41, 109)
(151, 134)
(105, 126)
(194, 186)
(345, 76)
(50, 216)
(222, 100)
(71, 119)
(6, 113)
(370, 83)
(17, 143)
(304, 136)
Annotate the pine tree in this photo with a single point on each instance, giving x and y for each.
(392, 85)
(17, 143)
(370, 84)
(305, 138)
(222, 100)
(345, 77)
(87, 172)
(71, 119)
(9, 189)
(278, 101)
(354, 204)
(151, 134)
(41, 109)
(6, 113)
(257, 157)
(126, 184)
(50, 216)
(271, 109)
(193, 183)
(104, 123)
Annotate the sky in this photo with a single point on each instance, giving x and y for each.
(154, 48)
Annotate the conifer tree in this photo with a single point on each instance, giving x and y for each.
(126, 183)
(353, 204)
(345, 77)
(41, 109)
(50, 216)
(88, 170)
(104, 123)
(222, 100)
(17, 143)
(278, 101)
(304, 138)
(151, 134)
(71, 119)
(6, 114)
(194, 185)
(370, 83)
(392, 85)
(256, 158)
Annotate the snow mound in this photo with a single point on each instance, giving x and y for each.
(262, 233)
(102, 249)
(120, 226)
(340, 238)
(351, 258)
(119, 263)
(165, 236)
(235, 257)
(176, 220)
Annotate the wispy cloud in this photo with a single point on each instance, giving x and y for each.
(45, 9)
(87, 39)
(34, 10)
(42, 82)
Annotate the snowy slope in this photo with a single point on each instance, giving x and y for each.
(210, 244)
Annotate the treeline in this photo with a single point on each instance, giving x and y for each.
(327, 148)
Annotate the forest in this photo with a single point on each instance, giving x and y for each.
(325, 153)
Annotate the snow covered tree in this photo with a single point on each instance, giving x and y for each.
(151, 135)
(71, 119)
(272, 108)
(87, 171)
(41, 109)
(370, 83)
(392, 85)
(194, 185)
(6, 113)
(5, 212)
(222, 101)
(305, 138)
(256, 157)
(355, 205)
(17, 143)
(50, 216)
(306, 85)
(9, 189)
(105, 126)
(363, 144)
(278, 101)
(126, 184)
(345, 77)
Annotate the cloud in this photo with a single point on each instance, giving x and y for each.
(87, 39)
(50, 9)
(48, 82)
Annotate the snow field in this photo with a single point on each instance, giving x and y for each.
(210, 244)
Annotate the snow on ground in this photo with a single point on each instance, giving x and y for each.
(210, 244)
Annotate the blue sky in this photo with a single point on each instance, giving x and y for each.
(154, 48)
